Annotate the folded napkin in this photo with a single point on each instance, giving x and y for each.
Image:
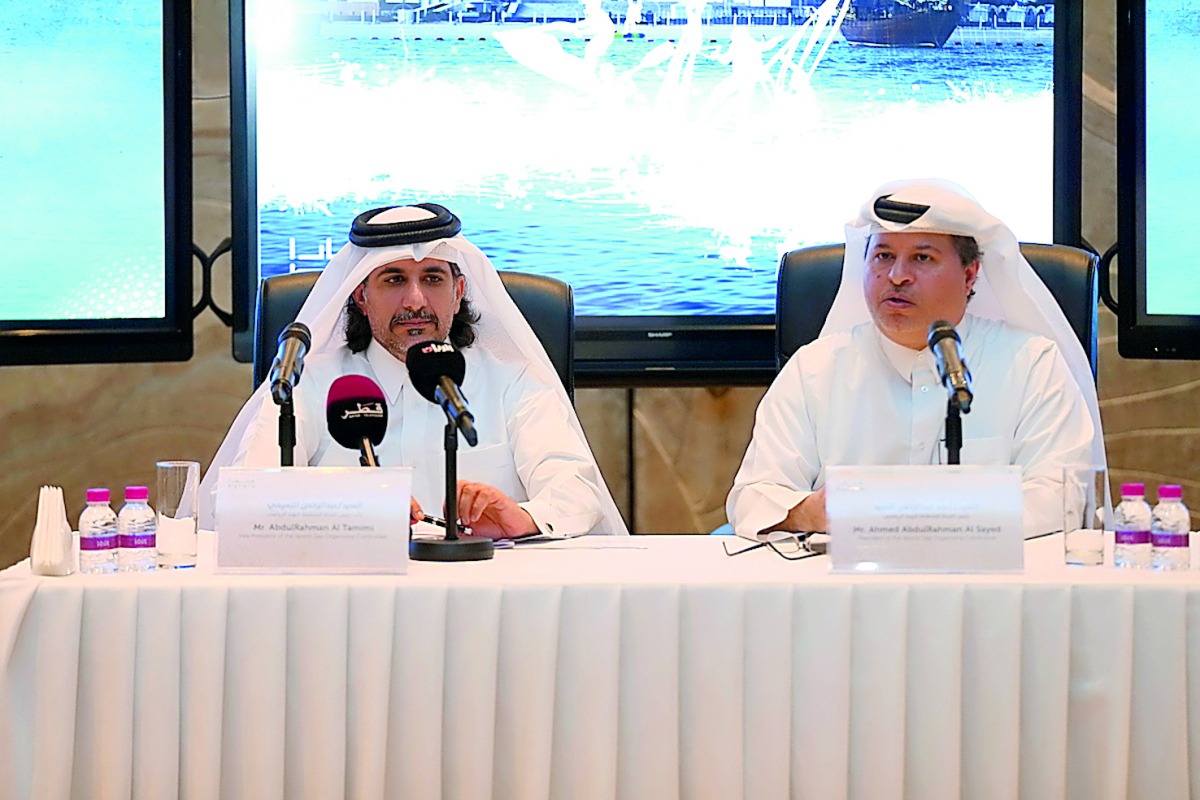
(51, 551)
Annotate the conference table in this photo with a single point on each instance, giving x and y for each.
(603, 667)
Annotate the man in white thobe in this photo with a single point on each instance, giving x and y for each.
(867, 391)
(409, 277)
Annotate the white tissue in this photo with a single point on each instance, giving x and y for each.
(51, 551)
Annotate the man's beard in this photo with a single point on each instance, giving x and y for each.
(398, 343)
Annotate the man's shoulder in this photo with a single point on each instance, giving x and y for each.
(823, 349)
(322, 369)
(998, 334)
(335, 355)
(487, 367)
(334, 361)
(834, 342)
(483, 364)
(517, 380)
(821, 364)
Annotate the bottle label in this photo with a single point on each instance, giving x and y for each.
(135, 540)
(101, 542)
(1170, 540)
(1133, 537)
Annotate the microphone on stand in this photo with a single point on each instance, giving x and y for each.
(952, 369)
(356, 412)
(437, 370)
(289, 361)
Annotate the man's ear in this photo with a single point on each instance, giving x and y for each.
(359, 299)
(972, 274)
(460, 291)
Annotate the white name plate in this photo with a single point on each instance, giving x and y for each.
(313, 519)
(925, 519)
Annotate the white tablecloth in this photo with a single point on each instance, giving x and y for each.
(646, 668)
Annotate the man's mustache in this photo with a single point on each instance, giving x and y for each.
(409, 316)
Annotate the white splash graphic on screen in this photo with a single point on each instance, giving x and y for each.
(735, 133)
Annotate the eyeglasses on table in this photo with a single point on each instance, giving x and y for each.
(792, 546)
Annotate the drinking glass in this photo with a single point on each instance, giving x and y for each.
(1084, 519)
(178, 492)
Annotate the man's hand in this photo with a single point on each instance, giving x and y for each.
(492, 513)
(806, 516)
(415, 514)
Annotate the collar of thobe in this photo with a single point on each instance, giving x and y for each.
(908, 362)
(390, 371)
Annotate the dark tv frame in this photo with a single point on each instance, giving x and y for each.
(652, 350)
(1139, 334)
(169, 338)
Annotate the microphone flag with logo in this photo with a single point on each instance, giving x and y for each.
(437, 371)
(357, 416)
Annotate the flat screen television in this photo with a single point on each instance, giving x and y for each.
(659, 157)
(95, 175)
(1158, 170)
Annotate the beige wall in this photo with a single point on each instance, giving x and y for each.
(105, 425)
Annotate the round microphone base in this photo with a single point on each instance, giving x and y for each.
(464, 548)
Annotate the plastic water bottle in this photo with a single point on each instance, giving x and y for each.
(98, 534)
(1169, 530)
(1132, 525)
(135, 532)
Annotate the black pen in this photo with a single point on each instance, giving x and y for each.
(441, 523)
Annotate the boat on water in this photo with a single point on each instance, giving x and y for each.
(900, 23)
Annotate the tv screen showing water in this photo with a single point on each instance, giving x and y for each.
(659, 157)
(1172, 162)
(82, 161)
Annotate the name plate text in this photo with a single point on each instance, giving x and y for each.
(925, 519)
(313, 519)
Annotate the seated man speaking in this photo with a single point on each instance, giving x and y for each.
(407, 277)
(867, 390)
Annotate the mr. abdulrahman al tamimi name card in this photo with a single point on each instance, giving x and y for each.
(313, 519)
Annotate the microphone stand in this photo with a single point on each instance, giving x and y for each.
(366, 454)
(453, 547)
(287, 433)
(953, 432)
(450, 438)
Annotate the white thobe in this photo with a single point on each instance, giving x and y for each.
(527, 448)
(857, 398)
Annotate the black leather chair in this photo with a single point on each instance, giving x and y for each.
(547, 303)
(809, 278)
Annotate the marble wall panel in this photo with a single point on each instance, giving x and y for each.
(688, 445)
(604, 414)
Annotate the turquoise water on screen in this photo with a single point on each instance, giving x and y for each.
(81, 175)
(659, 175)
(1172, 160)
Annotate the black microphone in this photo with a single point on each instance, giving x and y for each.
(356, 412)
(947, 348)
(437, 370)
(289, 361)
